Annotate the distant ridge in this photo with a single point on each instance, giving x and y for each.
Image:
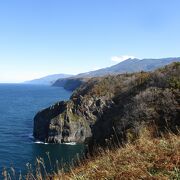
(70, 82)
(48, 80)
(127, 66)
(131, 65)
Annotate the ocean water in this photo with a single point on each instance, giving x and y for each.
(18, 105)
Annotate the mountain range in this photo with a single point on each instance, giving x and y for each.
(71, 82)
(130, 66)
(127, 66)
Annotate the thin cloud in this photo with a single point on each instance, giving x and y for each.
(121, 58)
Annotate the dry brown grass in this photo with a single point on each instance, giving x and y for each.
(146, 158)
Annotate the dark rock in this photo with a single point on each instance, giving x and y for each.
(67, 121)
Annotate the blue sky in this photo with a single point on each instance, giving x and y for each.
(40, 37)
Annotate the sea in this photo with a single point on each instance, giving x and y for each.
(19, 103)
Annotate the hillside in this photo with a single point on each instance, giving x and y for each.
(109, 107)
(48, 80)
(127, 66)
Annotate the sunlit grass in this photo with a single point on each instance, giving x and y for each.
(146, 158)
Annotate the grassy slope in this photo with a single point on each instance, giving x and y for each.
(146, 158)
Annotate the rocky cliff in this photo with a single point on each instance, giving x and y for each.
(114, 108)
(69, 121)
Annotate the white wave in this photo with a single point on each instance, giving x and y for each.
(40, 142)
(70, 143)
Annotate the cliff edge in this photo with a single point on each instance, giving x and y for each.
(114, 108)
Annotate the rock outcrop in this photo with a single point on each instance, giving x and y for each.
(114, 108)
(69, 121)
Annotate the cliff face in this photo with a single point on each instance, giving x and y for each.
(114, 108)
(69, 121)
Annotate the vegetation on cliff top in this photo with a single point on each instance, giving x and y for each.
(165, 77)
(145, 158)
(151, 98)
